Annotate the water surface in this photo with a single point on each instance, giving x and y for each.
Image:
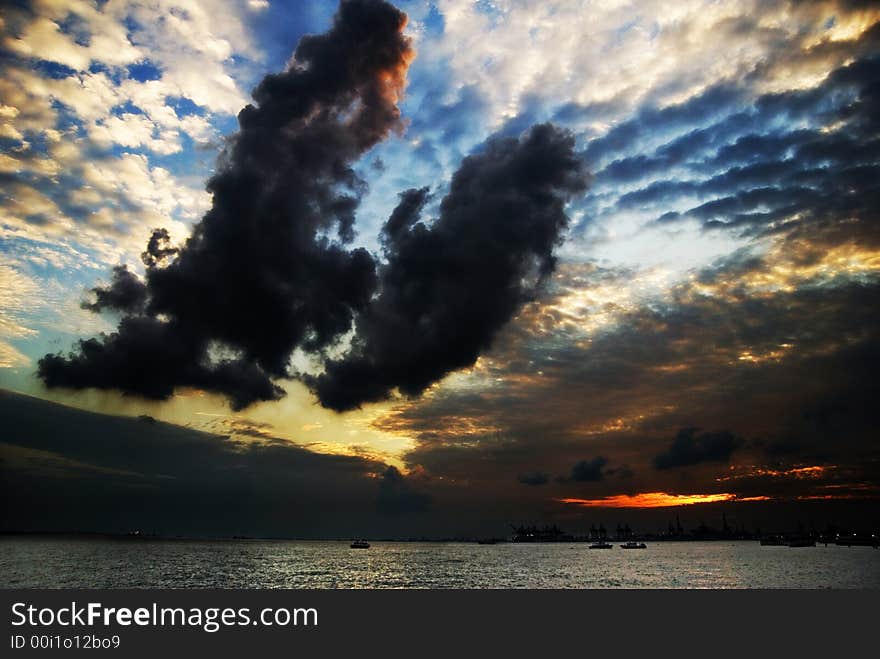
(27, 562)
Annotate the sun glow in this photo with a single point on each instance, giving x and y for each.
(654, 500)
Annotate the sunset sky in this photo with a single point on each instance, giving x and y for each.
(460, 263)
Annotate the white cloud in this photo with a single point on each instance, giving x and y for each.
(15, 291)
(627, 54)
(198, 128)
(625, 50)
(135, 130)
(123, 199)
(191, 43)
(72, 197)
(29, 302)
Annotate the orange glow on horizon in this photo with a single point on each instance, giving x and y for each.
(656, 500)
(800, 473)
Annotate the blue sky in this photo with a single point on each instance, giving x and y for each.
(733, 160)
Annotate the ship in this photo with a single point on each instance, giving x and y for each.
(360, 544)
(632, 544)
(601, 544)
(540, 534)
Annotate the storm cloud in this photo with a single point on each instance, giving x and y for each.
(533, 478)
(267, 269)
(638, 389)
(690, 448)
(397, 496)
(63, 469)
(589, 470)
(125, 293)
(449, 286)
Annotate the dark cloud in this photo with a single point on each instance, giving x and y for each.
(798, 359)
(533, 478)
(651, 120)
(150, 357)
(158, 249)
(622, 472)
(125, 293)
(398, 496)
(753, 174)
(589, 471)
(690, 448)
(63, 469)
(262, 273)
(780, 349)
(805, 159)
(448, 287)
(404, 215)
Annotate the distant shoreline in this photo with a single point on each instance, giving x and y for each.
(126, 537)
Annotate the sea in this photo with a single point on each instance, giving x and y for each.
(53, 562)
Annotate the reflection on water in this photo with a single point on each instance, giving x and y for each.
(58, 563)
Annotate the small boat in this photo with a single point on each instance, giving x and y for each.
(360, 544)
(632, 544)
(601, 544)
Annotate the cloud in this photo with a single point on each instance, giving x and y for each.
(726, 248)
(630, 53)
(405, 214)
(804, 158)
(255, 290)
(589, 470)
(29, 303)
(125, 292)
(15, 288)
(449, 286)
(689, 448)
(74, 102)
(189, 50)
(69, 470)
(43, 38)
(733, 332)
(67, 192)
(445, 291)
(398, 496)
(60, 471)
(533, 478)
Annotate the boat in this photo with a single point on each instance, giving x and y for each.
(632, 544)
(856, 540)
(360, 544)
(601, 544)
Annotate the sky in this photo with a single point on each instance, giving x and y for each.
(439, 267)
